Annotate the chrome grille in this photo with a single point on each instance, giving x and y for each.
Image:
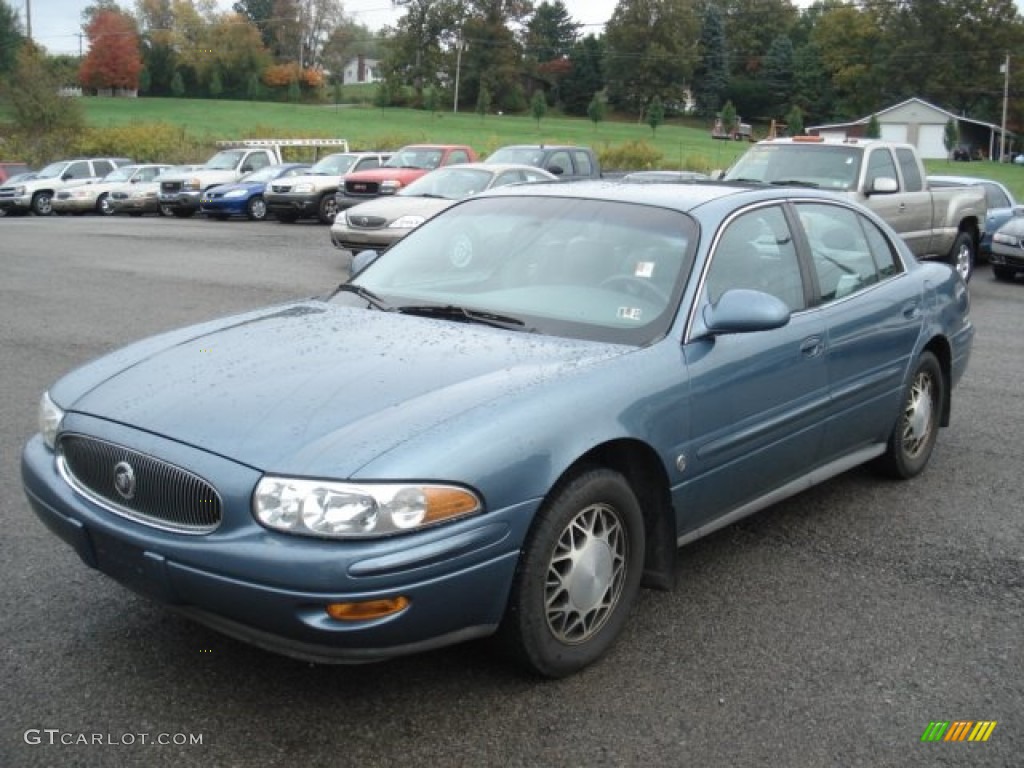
(170, 187)
(360, 221)
(158, 494)
(362, 187)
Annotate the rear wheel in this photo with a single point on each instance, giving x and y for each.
(578, 575)
(961, 255)
(256, 208)
(917, 427)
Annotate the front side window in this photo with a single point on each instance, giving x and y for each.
(756, 252)
(578, 268)
(78, 170)
(880, 165)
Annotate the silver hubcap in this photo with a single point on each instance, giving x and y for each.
(258, 208)
(919, 414)
(585, 575)
(963, 262)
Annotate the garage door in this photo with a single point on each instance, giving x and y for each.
(894, 132)
(929, 141)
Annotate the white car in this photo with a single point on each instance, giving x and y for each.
(36, 195)
(96, 196)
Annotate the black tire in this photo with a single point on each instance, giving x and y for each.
(1003, 273)
(917, 426)
(42, 203)
(578, 575)
(103, 206)
(183, 213)
(256, 208)
(962, 256)
(328, 209)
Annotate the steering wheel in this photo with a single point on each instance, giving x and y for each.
(637, 287)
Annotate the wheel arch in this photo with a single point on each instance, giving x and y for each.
(639, 464)
(939, 346)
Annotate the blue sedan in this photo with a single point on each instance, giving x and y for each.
(245, 196)
(506, 424)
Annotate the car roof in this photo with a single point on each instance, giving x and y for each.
(682, 197)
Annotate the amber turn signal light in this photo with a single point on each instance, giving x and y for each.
(367, 609)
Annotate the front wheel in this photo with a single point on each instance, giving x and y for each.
(103, 206)
(578, 575)
(328, 209)
(256, 208)
(42, 204)
(917, 426)
(961, 255)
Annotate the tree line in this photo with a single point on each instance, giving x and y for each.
(764, 59)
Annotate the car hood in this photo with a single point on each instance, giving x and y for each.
(313, 388)
(394, 207)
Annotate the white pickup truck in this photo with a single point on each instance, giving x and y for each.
(181, 194)
(942, 223)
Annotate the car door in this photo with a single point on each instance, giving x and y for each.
(872, 321)
(756, 398)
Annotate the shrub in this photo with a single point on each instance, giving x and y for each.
(630, 156)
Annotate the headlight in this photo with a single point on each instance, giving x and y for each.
(407, 222)
(236, 193)
(19, 191)
(303, 188)
(1011, 240)
(348, 510)
(49, 420)
(390, 186)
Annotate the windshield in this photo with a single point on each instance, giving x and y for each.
(52, 171)
(587, 269)
(124, 173)
(450, 183)
(820, 165)
(520, 155)
(265, 174)
(413, 157)
(226, 160)
(333, 165)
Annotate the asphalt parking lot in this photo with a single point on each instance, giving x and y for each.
(829, 630)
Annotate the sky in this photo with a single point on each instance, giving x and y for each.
(56, 24)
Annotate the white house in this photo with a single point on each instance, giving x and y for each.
(361, 70)
(917, 122)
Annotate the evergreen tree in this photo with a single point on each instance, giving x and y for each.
(538, 107)
(778, 73)
(585, 78)
(596, 110)
(712, 73)
(951, 135)
(873, 131)
(11, 37)
(178, 84)
(795, 121)
(483, 101)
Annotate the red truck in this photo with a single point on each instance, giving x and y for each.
(405, 166)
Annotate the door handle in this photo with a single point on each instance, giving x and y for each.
(812, 346)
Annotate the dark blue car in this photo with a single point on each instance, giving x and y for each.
(507, 423)
(245, 196)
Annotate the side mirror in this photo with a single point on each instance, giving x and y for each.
(556, 169)
(361, 261)
(246, 168)
(742, 310)
(884, 185)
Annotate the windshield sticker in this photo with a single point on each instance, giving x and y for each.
(644, 269)
(630, 313)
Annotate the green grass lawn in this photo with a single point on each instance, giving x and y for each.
(679, 144)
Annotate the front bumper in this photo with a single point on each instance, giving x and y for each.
(1005, 256)
(135, 205)
(356, 240)
(270, 589)
(234, 206)
(302, 205)
(181, 200)
(16, 203)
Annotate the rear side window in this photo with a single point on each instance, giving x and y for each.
(366, 163)
(583, 165)
(849, 252)
(457, 156)
(911, 173)
(103, 167)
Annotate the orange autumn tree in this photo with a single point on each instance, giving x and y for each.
(114, 60)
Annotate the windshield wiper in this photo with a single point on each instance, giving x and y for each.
(795, 183)
(453, 312)
(365, 293)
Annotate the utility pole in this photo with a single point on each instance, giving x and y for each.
(1006, 92)
(28, 18)
(460, 46)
